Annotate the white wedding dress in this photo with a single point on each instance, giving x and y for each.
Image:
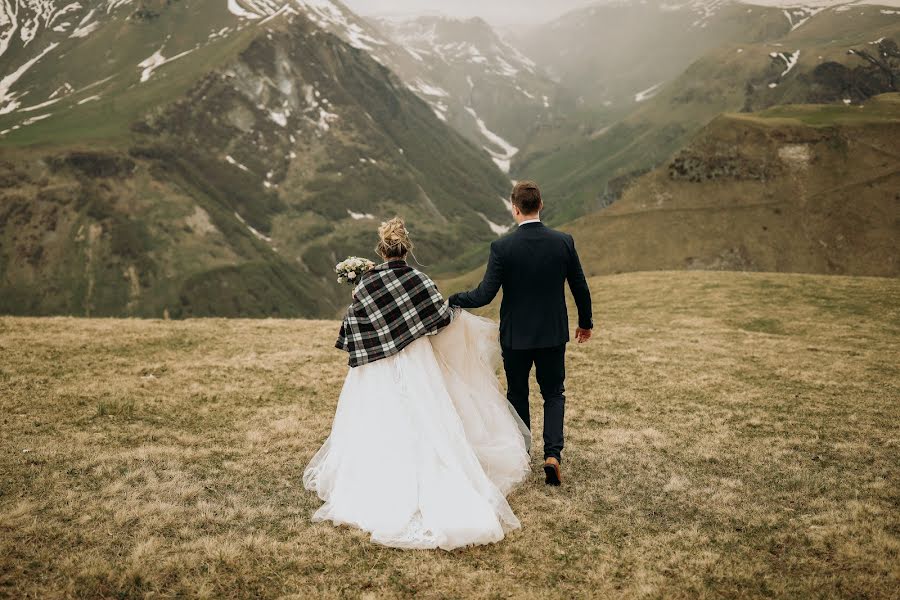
(424, 447)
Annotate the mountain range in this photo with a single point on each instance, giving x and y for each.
(197, 158)
(217, 157)
(480, 84)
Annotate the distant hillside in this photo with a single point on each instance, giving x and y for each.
(610, 58)
(833, 55)
(200, 158)
(811, 189)
(610, 52)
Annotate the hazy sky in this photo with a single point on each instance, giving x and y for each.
(501, 12)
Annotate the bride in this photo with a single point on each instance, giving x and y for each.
(424, 446)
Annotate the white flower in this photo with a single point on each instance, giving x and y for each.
(352, 268)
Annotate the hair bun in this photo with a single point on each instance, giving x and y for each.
(393, 239)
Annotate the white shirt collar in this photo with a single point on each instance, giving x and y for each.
(529, 221)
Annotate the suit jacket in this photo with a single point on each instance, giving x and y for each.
(532, 266)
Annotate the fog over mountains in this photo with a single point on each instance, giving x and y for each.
(503, 13)
(498, 12)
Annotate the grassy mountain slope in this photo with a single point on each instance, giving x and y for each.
(584, 172)
(228, 181)
(612, 56)
(795, 188)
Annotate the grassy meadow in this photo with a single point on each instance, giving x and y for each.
(728, 435)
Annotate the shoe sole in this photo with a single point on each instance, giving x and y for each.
(552, 474)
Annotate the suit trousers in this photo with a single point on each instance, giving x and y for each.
(550, 366)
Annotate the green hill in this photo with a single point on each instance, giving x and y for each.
(806, 188)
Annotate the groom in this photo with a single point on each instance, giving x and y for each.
(532, 266)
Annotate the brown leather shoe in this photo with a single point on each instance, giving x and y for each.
(551, 470)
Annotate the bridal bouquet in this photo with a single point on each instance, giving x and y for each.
(351, 270)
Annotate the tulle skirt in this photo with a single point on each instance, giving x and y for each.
(424, 446)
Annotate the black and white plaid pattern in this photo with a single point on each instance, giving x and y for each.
(393, 306)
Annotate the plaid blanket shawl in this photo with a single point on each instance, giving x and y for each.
(393, 306)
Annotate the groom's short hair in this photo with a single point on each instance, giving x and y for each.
(526, 195)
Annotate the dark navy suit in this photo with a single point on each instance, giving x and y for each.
(532, 266)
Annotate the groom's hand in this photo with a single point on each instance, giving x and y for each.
(582, 335)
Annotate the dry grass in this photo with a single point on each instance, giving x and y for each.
(729, 435)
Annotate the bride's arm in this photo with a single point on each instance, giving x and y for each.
(487, 290)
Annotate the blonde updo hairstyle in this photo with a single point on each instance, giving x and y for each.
(393, 240)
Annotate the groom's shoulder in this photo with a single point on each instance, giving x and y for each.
(555, 233)
(516, 236)
(502, 242)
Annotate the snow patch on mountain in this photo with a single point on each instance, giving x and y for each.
(34, 107)
(155, 61)
(798, 15)
(424, 88)
(497, 229)
(648, 93)
(790, 60)
(252, 230)
(414, 54)
(325, 120)
(35, 119)
(797, 12)
(86, 26)
(502, 158)
(451, 63)
(232, 161)
(9, 100)
(237, 10)
(279, 117)
(26, 19)
(440, 110)
(328, 15)
(459, 42)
